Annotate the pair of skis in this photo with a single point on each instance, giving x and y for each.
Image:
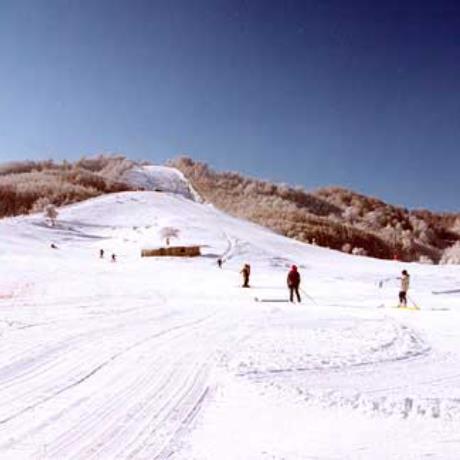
(258, 299)
(407, 307)
(412, 307)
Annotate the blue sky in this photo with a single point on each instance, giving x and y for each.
(360, 94)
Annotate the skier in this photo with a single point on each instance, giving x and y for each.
(246, 271)
(405, 279)
(53, 246)
(293, 282)
(101, 253)
(114, 258)
(219, 262)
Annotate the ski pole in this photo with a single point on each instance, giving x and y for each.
(413, 303)
(308, 296)
(381, 282)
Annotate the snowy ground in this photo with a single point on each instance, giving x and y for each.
(147, 358)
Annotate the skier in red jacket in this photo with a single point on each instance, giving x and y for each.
(293, 282)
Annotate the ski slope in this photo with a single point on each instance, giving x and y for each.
(169, 358)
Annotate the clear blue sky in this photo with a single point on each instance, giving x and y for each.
(362, 94)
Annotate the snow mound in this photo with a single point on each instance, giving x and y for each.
(160, 179)
(330, 345)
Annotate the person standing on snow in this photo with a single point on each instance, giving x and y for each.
(246, 271)
(293, 282)
(405, 281)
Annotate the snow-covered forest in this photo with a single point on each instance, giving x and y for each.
(331, 217)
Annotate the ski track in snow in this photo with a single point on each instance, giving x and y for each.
(164, 390)
(156, 359)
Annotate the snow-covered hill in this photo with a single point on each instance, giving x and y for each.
(160, 179)
(170, 358)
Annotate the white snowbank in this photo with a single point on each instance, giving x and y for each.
(160, 179)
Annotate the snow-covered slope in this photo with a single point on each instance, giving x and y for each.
(170, 358)
(160, 179)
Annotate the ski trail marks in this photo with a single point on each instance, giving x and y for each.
(81, 404)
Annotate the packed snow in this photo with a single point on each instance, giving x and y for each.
(160, 179)
(154, 358)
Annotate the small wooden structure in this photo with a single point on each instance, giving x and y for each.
(172, 251)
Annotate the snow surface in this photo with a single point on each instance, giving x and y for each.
(161, 179)
(169, 358)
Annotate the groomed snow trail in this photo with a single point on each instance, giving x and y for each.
(156, 359)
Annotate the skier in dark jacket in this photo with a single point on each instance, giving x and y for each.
(246, 271)
(293, 282)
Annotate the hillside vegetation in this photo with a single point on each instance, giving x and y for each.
(331, 217)
(29, 186)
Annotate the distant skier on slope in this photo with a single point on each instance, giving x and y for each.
(405, 281)
(246, 271)
(219, 262)
(293, 282)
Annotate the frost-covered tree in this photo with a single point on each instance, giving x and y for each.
(40, 204)
(167, 233)
(359, 252)
(425, 260)
(456, 226)
(350, 214)
(451, 255)
(51, 214)
(373, 219)
(406, 239)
